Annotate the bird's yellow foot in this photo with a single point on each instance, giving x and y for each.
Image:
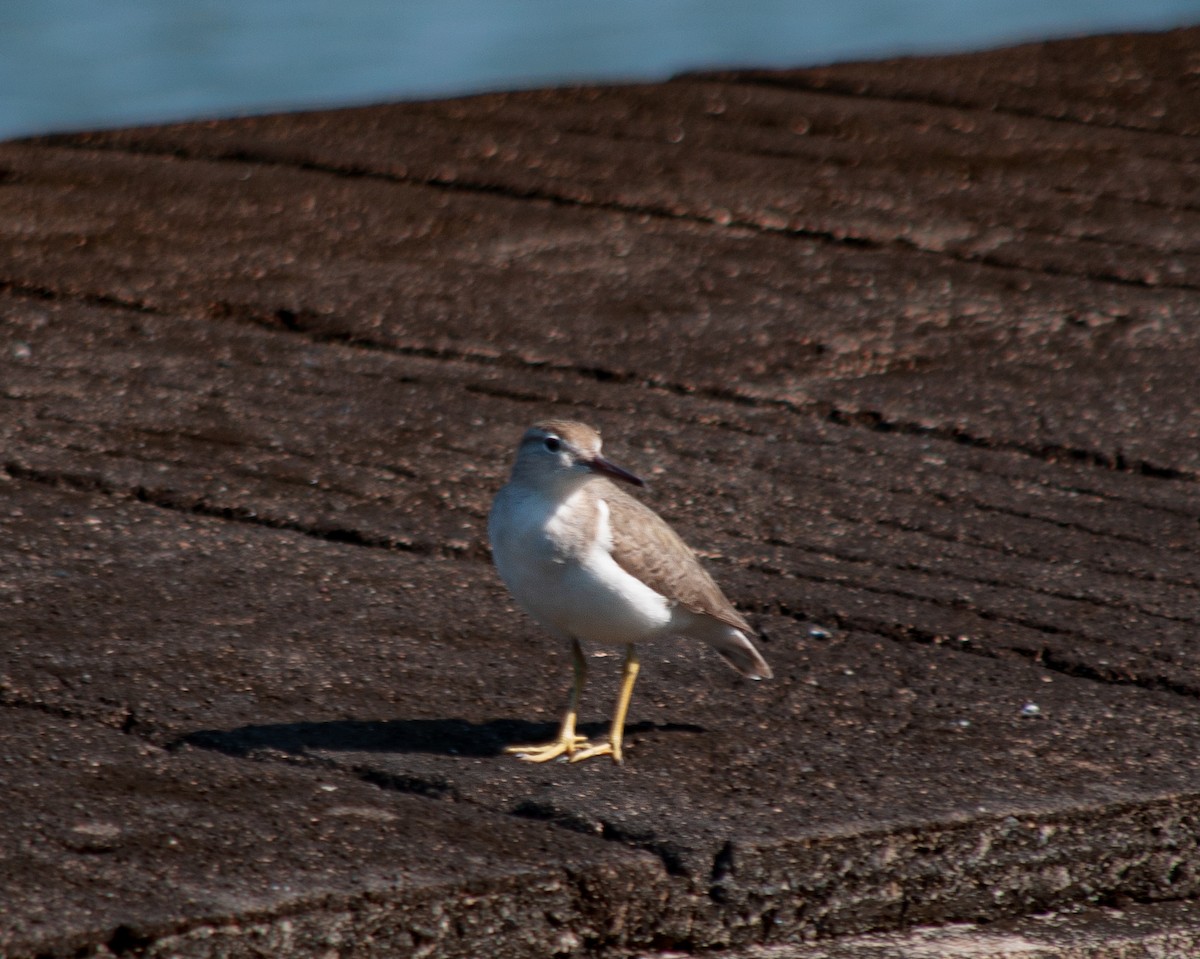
(599, 749)
(552, 750)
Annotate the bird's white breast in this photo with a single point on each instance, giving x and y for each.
(555, 556)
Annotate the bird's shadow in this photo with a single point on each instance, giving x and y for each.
(444, 737)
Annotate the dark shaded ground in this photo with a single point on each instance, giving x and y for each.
(908, 350)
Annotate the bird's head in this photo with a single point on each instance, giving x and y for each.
(564, 451)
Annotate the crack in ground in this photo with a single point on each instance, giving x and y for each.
(951, 578)
(440, 788)
(1056, 662)
(874, 420)
(870, 419)
(1042, 657)
(672, 862)
(1075, 489)
(120, 718)
(40, 292)
(1071, 526)
(722, 864)
(198, 506)
(854, 90)
(1001, 584)
(191, 504)
(660, 211)
(1105, 196)
(909, 633)
(392, 471)
(1075, 527)
(961, 605)
(432, 787)
(1047, 452)
(1098, 276)
(300, 324)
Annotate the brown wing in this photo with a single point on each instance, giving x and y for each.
(653, 552)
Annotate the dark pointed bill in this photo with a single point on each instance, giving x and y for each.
(601, 465)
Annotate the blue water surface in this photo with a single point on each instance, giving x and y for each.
(82, 64)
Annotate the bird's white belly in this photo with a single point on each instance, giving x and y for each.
(583, 595)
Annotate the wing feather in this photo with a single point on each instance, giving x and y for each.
(646, 547)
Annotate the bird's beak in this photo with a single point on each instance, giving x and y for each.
(605, 468)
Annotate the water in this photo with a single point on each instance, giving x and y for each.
(76, 64)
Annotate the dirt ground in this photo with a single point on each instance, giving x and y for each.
(907, 350)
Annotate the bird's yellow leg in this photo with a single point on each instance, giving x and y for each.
(568, 740)
(617, 734)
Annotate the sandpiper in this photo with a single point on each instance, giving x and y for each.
(592, 563)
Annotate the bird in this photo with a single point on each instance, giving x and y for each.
(593, 564)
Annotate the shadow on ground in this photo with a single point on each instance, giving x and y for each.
(445, 737)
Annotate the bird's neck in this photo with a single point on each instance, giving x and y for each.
(551, 486)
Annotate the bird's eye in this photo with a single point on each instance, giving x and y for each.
(553, 444)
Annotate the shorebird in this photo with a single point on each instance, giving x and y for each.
(593, 564)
